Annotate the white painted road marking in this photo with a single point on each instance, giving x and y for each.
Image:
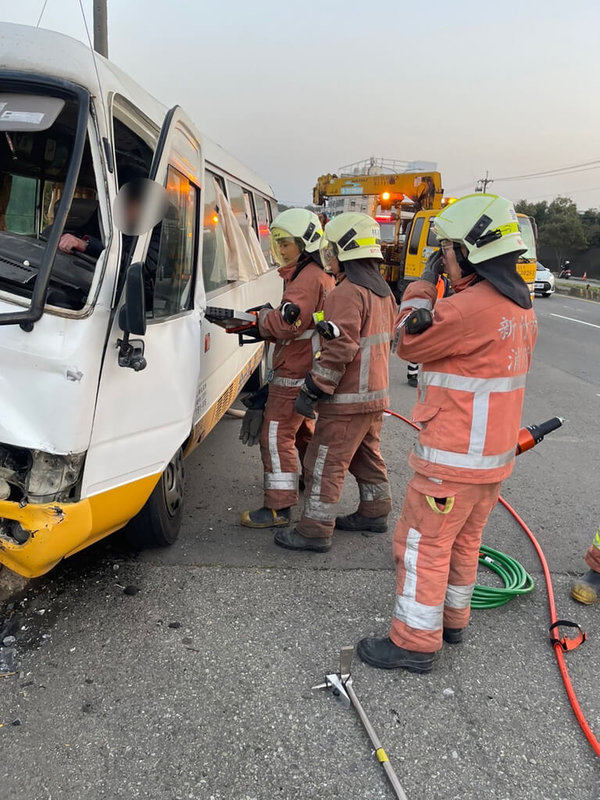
(580, 321)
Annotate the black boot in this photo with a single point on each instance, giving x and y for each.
(356, 522)
(453, 635)
(292, 540)
(412, 381)
(384, 654)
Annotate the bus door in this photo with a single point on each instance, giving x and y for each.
(143, 417)
(421, 243)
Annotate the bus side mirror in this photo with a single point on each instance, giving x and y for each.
(132, 319)
(132, 316)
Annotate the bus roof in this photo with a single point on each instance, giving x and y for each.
(38, 51)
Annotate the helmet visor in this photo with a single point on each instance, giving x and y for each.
(328, 252)
(284, 247)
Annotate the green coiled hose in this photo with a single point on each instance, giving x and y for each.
(516, 580)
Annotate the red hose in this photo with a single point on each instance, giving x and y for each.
(558, 651)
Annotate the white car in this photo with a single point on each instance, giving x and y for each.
(544, 281)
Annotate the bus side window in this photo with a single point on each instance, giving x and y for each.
(250, 212)
(413, 247)
(237, 201)
(172, 273)
(263, 224)
(214, 266)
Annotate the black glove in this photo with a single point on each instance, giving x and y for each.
(290, 312)
(306, 402)
(308, 397)
(251, 425)
(433, 268)
(328, 330)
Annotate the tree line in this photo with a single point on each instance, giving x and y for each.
(562, 229)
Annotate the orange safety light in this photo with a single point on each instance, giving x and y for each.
(385, 196)
(215, 219)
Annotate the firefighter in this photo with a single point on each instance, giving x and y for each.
(587, 588)
(475, 349)
(284, 433)
(349, 382)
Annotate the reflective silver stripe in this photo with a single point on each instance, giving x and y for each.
(462, 460)
(462, 383)
(281, 480)
(376, 338)
(318, 471)
(481, 407)
(407, 608)
(357, 397)
(374, 491)
(418, 302)
(459, 596)
(314, 507)
(315, 342)
(329, 374)
(287, 381)
(318, 509)
(307, 334)
(273, 451)
(365, 366)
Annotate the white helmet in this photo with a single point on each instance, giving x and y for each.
(486, 224)
(351, 236)
(299, 224)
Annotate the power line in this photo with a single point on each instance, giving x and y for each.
(552, 172)
(41, 13)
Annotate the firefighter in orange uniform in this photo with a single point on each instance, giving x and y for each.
(475, 348)
(284, 433)
(349, 383)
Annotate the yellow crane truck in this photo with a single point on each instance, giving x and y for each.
(405, 205)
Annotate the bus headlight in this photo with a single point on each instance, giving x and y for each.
(51, 476)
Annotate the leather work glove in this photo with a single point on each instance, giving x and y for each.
(251, 425)
(252, 422)
(290, 312)
(306, 402)
(328, 330)
(308, 397)
(433, 268)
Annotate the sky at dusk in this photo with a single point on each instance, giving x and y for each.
(295, 90)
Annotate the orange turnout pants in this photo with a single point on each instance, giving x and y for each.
(284, 437)
(341, 444)
(436, 550)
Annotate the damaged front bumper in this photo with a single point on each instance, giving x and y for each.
(35, 537)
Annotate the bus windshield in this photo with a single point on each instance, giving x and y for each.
(528, 238)
(37, 134)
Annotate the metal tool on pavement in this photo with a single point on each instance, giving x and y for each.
(341, 685)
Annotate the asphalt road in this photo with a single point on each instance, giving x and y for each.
(199, 685)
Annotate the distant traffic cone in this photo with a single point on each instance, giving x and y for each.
(584, 276)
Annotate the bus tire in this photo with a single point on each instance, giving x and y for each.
(159, 521)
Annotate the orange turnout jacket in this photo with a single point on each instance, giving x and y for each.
(475, 359)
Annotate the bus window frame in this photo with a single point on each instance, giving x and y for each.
(91, 136)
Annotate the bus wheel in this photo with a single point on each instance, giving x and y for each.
(159, 521)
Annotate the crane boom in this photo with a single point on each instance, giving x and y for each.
(423, 188)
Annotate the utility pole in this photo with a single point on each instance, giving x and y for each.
(483, 182)
(101, 28)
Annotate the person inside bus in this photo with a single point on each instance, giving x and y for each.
(284, 433)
